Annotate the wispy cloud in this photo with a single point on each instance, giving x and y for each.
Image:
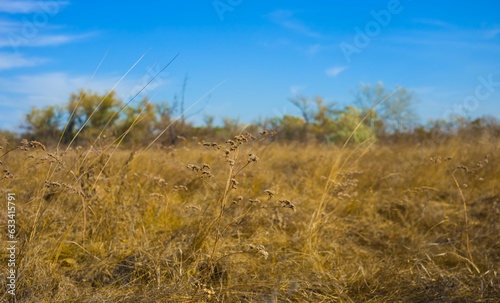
(476, 38)
(13, 32)
(41, 40)
(55, 87)
(491, 33)
(26, 7)
(434, 23)
(42, 89)
(286, 19)
(21, 92)
(313, 49)
(424, 90)
(485, 32)
(335, 71)
(7, 26)
(295, 89)
(8, 61)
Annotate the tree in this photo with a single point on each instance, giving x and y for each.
(398, 109)
(345, 125)
(367, 97)
(44, 123)
(304, 104)
(143, 118)
(97, 109)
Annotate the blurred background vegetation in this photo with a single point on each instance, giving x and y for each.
(387, 115)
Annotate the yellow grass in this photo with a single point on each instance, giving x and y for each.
(262, 222)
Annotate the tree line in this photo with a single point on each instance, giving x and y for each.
(384, 113)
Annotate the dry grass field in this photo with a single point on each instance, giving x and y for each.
(253, 220)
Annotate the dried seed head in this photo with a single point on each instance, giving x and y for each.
(240, 139)
(36, 144)
(180, 187)
(237, 199)
(253, 158)
(234, 183)
(193, 167)
(52, 184)
(287, 204)
(206, 174)
(250, 136)
(262, 250)
(8, 175)
(270, 193)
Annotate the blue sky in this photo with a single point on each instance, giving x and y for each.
(447, 52)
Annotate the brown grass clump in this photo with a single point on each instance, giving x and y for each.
(248, 220)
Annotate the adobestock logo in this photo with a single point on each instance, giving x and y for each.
(223, 6)
(31, 27)
(372, 28)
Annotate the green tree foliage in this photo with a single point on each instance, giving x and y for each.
(138, 122)
(346, 123)
(91, 112)
(44, 123)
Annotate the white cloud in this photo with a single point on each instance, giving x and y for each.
(335, 71)
(15, 40)
(32, 31)
(491, 33)
(7, 26)
(295, 89)
(15, 7)
(285, 19)
(8, 61)
(424, 90)
(434, 23)
(55, 88)
(42, 89)
(26, 7)
(22, 92)
(313, 49)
